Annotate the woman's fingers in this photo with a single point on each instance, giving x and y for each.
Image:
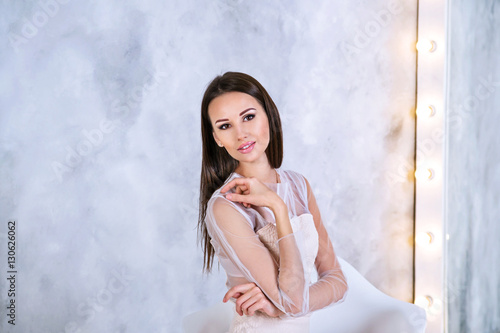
(255, 303)
(243, 198)
(233, 183)
(242, 189)
(238, 289)
(244, 294)
(250, 299)
(249, 191)
(259, 304)
(247, 300)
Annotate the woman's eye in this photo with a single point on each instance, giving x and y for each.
(223, 126)
(248, 117)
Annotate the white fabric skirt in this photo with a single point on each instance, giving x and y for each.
(365, 309)
(265, 324)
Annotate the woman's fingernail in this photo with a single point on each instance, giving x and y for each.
(228, 196)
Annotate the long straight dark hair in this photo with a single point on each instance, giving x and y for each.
(217, 164)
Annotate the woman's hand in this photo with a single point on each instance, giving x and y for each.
(249, 299)
(251, 191)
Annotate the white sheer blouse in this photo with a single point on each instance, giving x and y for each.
(284, 278)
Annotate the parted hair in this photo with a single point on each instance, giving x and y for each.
(217, 164)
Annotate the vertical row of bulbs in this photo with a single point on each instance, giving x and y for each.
(425, 111)
(424, 173)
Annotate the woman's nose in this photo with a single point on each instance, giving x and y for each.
(241, 133)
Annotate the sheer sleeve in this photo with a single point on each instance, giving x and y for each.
(244, 256)
(331, 286)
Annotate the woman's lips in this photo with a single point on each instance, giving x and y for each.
(247, 147)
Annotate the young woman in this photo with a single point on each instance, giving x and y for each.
(262, 222)
(264, 225)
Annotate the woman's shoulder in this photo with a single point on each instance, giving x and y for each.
(217, 194)
(220, 208)
(218, 199)
(295, 177)
(292, 173)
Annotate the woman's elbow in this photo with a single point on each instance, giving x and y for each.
(296, 310)
(296, 306)
(342, 290)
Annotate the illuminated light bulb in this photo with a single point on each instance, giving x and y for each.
(426, 45)
(428, 111)
(424, 301)
(424, 238)
(422, 174)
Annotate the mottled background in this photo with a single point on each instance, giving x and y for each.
(100, 145)
(473, 194)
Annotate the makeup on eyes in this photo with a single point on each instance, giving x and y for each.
(244, 114)
(241, 113)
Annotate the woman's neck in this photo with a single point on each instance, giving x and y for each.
(262, 172)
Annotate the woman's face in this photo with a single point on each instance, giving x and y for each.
(240, 125)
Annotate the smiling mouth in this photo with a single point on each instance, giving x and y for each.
(248, 145)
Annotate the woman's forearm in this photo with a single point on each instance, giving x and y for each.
(327, 290)
(280, 211)
(291, 279)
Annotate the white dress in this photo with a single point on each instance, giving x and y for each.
(299, 273)
(261, 322)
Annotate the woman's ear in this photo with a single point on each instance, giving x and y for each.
(217, 140)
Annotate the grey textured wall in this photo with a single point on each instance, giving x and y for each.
(100, 145)
(473, 189)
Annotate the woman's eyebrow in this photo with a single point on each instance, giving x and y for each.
(242, 112)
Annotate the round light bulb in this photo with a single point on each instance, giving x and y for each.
(427, 111)
(422, 174)
(426, 45)
(424, 238)
(424, 301)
